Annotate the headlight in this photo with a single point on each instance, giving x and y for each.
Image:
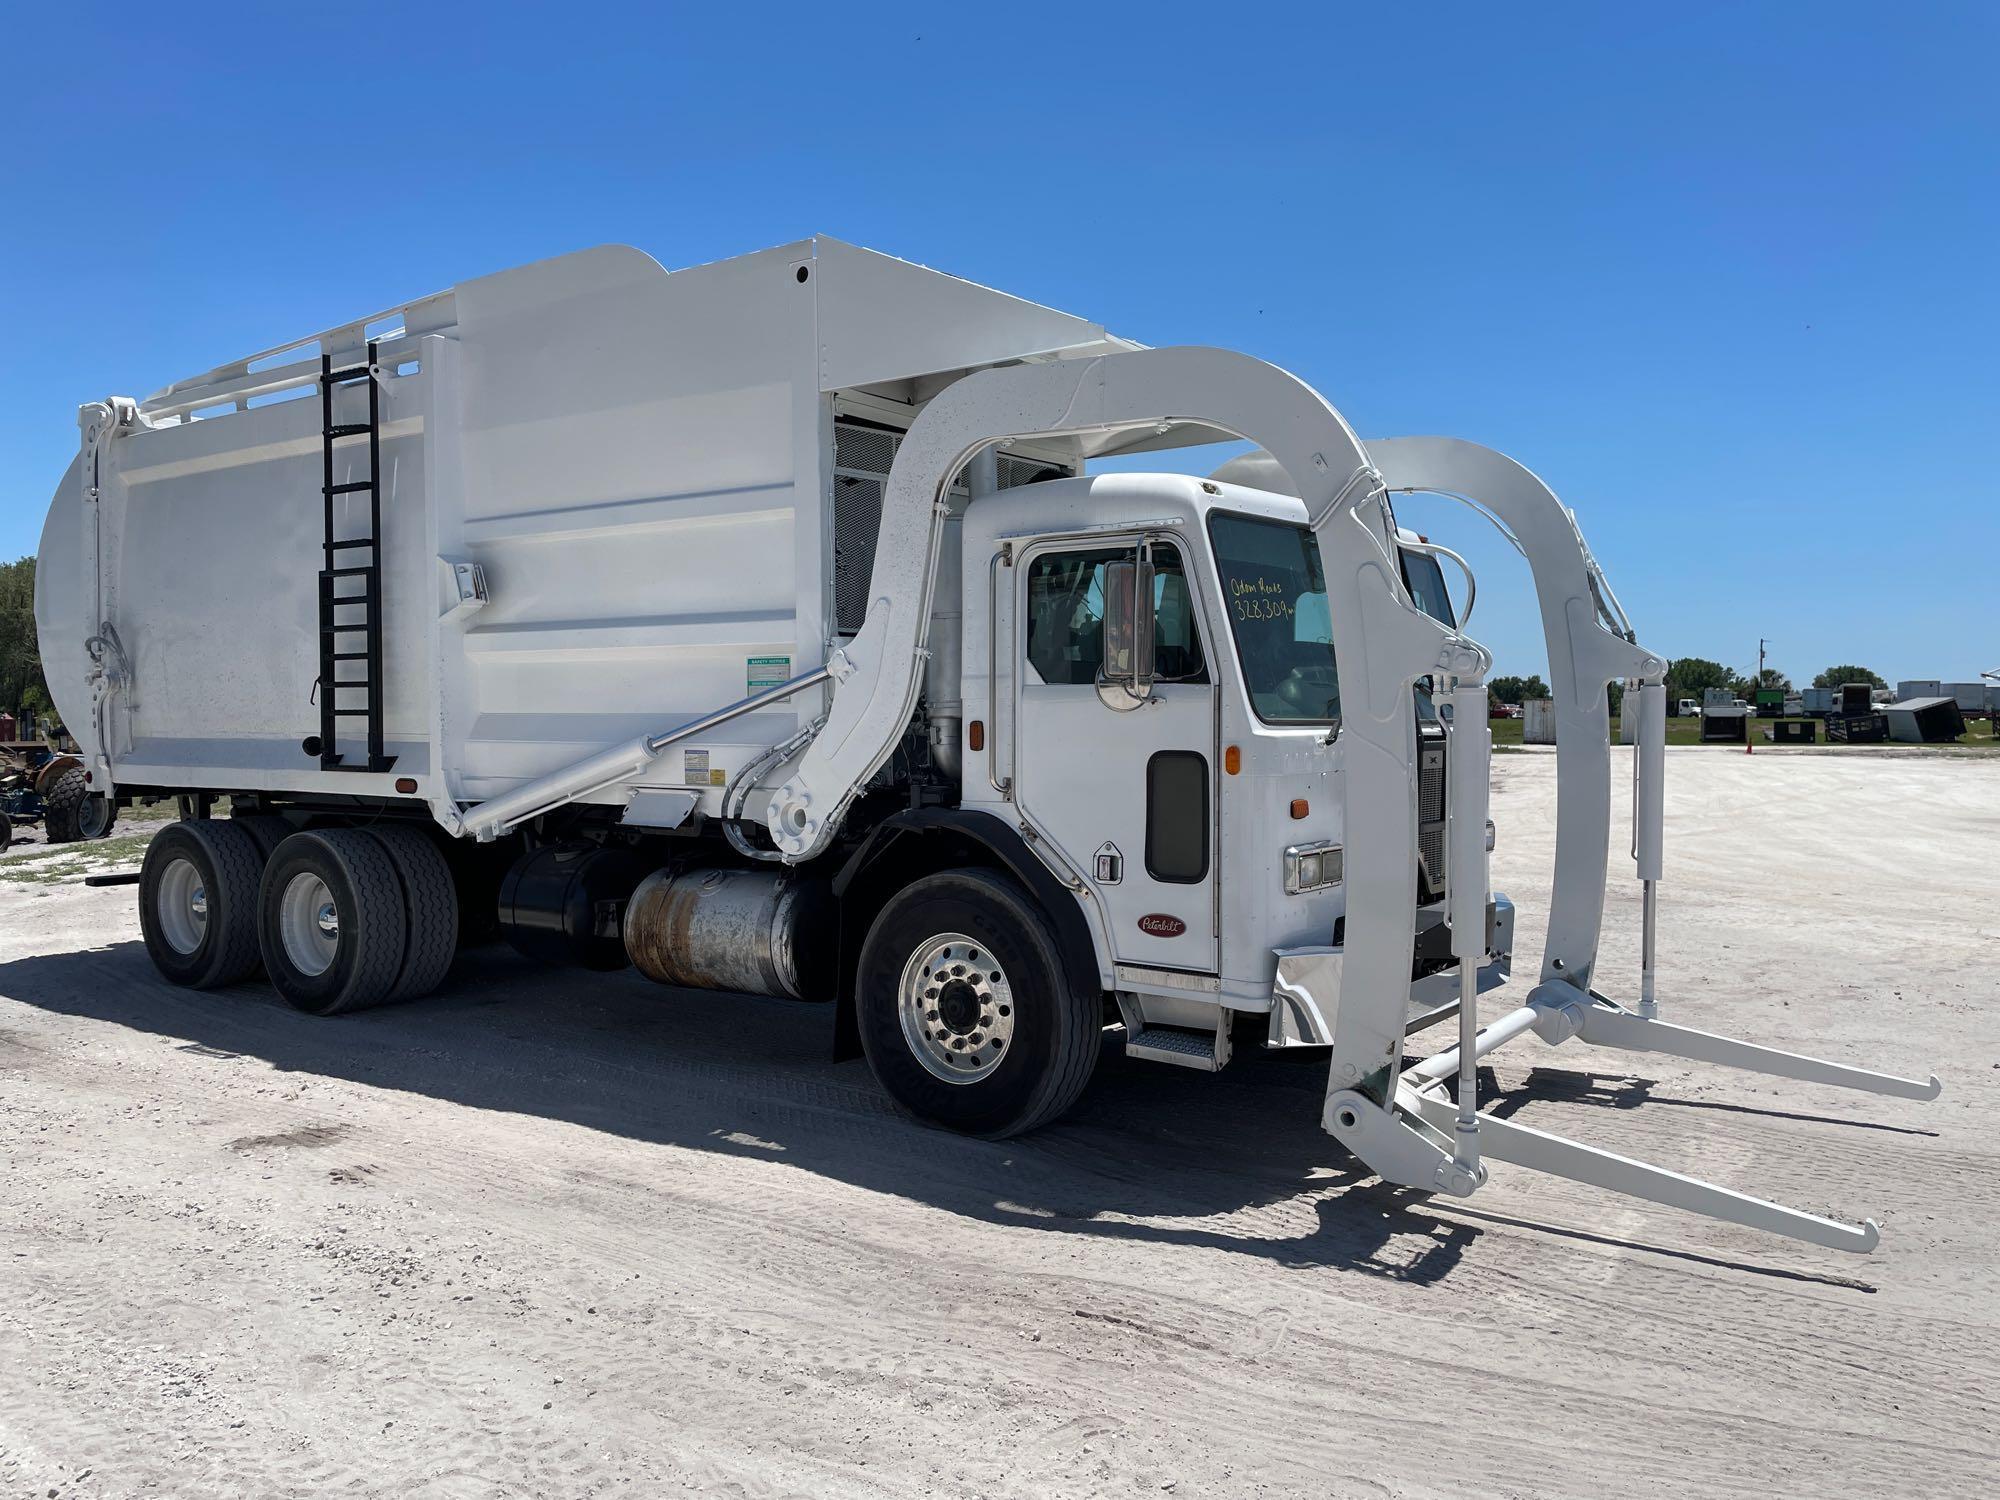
(1311, 867)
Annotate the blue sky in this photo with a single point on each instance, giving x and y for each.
(1723, 274)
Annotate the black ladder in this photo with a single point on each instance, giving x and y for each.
(344, 640)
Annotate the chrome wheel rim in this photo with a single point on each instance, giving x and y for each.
(182, 906)
(957, 1008)
(309, 923)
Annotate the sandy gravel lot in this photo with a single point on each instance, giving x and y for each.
(556, 1235)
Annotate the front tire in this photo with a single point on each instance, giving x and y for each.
(198, 904)
(331, 921)
(966, 1014)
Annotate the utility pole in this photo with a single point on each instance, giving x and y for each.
(1761, 644)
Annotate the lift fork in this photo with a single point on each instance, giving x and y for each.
(1404, 1126)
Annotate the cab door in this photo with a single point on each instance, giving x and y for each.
(1124, 786)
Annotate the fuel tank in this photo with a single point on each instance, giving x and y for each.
(750, 931)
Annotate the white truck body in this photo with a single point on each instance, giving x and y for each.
(643, 464)
(763, 619)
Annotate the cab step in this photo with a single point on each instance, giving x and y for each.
(1176, 1045)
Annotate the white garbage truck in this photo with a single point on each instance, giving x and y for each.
(763, 625)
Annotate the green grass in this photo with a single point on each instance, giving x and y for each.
(43, 864)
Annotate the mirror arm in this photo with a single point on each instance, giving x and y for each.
(1433, 549)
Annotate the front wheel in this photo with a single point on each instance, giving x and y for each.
(966, 1014)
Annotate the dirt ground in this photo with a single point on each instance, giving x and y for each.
(550, 1234)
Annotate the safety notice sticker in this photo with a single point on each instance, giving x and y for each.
(767, 672)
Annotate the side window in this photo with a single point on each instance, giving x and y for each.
(1177, 816)
(1066, 617)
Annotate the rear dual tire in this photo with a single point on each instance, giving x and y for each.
(198, 903)
(352, 918)
(332, 921)
(341, 918)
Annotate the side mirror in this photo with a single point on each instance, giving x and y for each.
(1125, 679)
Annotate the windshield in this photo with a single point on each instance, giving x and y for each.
(1274, 593)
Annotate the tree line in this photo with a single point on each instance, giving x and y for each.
(24, 692)
(1690, 677)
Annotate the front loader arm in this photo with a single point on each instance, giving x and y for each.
(1584, 656)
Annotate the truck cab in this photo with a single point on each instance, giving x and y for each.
(1151, 689)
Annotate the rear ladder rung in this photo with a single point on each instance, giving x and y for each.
(364, 631)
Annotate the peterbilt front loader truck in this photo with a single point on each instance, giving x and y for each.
(759, 624)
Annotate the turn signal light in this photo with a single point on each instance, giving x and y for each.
(975, 735)
(1232, 759)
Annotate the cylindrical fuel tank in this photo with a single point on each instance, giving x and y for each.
(567, 905)
(752, 931)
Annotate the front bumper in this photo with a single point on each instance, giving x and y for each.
(1305, 995)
